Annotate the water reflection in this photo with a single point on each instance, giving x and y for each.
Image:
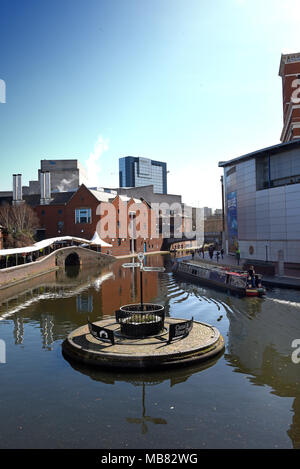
(146, 380)
(84, 303)
(18, 331)
(258, 333)
(47, 328)
(145, 418)
(69, 299)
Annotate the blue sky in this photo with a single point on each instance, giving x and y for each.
(189, 82)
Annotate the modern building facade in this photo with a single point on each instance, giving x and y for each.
(137, 172)
(262, 203)
(290, 73)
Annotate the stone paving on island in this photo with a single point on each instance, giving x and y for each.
(201, 336)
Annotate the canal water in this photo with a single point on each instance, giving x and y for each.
(249, 397)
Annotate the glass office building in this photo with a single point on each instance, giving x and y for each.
(137, 172)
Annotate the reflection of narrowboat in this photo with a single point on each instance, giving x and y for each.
(219, 277)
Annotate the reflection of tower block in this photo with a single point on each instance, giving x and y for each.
(47, 330)
(84, 303)
(18, 329)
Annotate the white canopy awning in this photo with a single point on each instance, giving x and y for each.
(96, 240)
(48, 242)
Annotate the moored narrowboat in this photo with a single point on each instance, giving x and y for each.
(220, 277)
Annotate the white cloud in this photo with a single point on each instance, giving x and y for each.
(92, 163)
(199, 185)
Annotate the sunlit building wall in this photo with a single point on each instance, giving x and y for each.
(262, 203)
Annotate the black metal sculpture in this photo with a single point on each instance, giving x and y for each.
(141, 320)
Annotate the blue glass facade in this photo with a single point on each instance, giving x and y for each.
(137, 172)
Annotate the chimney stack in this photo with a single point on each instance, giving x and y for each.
(17, 189)
(45, 180)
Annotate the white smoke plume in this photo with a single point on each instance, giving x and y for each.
(92, 163)
(67, 184)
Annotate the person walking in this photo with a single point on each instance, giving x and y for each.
(222, 253)
(251, 273)
(238, 256)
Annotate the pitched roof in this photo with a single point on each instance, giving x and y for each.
(102, 196)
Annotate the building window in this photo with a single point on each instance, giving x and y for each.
(83, 215)
(231, 171)
(277, 170)
(60, 226)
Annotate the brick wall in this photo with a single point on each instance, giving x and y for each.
(50, 217)
(290, 90)
(27, 271)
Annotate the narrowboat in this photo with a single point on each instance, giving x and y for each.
(220, 277)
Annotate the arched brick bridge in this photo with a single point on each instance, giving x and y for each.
(82, 256)
(51, 262)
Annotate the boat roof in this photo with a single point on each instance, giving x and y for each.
(238, 274)
(215, 267)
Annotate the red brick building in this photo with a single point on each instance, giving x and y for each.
(128, 224)
(290, 74)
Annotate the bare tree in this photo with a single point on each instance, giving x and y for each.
(20, 222)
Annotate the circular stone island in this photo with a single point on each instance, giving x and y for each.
(202, 342)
